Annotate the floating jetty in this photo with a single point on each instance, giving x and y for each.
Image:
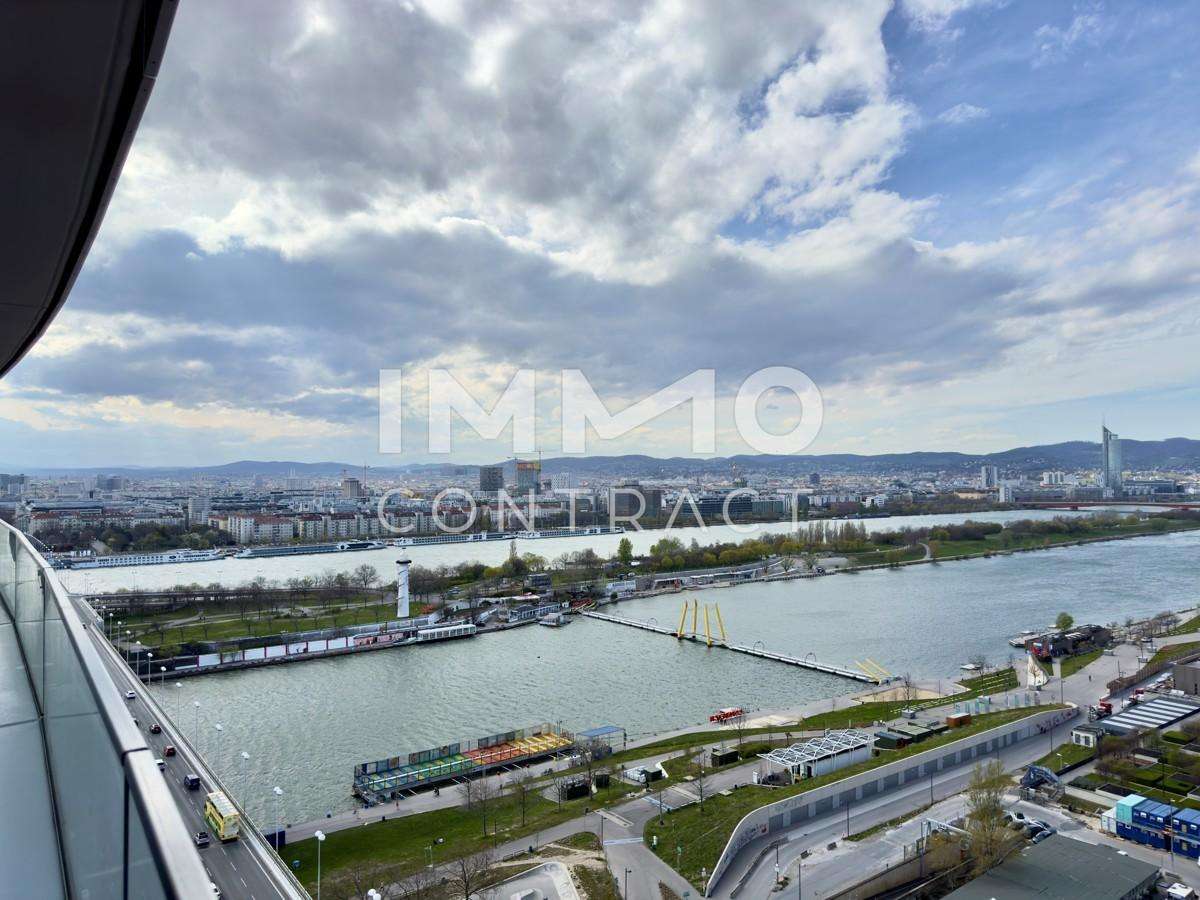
(876, 676)
(387, 779)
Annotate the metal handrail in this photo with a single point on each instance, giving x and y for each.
(181, 872)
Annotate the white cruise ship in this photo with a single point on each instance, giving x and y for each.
(167, 557)
(481, 536)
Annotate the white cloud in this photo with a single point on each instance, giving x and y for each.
(1054, 43)
(962, 113)
(635, 190)
(934, 15)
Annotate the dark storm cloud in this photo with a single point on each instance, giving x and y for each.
(284, 331)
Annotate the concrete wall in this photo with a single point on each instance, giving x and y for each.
(791, 811)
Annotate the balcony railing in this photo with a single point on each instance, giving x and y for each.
(119, 832)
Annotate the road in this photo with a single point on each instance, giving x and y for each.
(846, 866)
(238, 867)
(756, 873)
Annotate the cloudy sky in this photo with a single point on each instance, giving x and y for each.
(974, 224)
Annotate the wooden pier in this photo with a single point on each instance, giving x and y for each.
(802, 662)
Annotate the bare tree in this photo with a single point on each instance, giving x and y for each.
(908, 691)
(365, 576)
(467, 874)
(353, 883)
(521, 787)
(587, 758)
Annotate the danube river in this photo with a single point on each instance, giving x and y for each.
(240, 571)
(306, 725)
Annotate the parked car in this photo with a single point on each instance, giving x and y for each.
(202, 839)
(1041, 836)
(169, 750)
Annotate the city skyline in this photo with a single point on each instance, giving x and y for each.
(816, 189)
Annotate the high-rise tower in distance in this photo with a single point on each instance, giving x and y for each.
(1111, 462)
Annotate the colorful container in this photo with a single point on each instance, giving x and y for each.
(1125, 808)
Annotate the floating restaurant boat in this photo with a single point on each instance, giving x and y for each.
(554, 620)
(1021, 639)
(305, 549)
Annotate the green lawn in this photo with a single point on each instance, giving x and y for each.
(886, 555)
(402, 842)
(701, 833)
(1191, 626)
(1174, 651)
(157, 636)
(1002, 541)
(1066, 755)
(1072, 664)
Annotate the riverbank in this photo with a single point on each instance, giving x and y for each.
(997, 543)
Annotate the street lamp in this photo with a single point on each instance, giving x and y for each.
(178, 687)
(219, 727)
(245, 757)
(373, 894)
(162, 676)
(320, 836)
(627, 871)
(196, 731)
(278, 791)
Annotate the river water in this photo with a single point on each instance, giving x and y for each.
(306, 725)
(240, 571)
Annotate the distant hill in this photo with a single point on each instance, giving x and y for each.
(1180, 454)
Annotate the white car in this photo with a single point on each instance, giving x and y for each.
(129, 695)
(160, 763)
(216, 891)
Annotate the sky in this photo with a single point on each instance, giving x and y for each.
(972, 223)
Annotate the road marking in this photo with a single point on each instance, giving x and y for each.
(629, 840)
(613, 817)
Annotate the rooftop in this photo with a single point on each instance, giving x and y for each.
(830, 744)
(1061, 868)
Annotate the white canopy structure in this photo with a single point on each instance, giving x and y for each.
(833, 750)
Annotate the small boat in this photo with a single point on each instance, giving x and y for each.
(727, 714)
(969, 667)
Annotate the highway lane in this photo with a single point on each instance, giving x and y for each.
(233, 867)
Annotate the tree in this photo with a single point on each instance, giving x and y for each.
(353, 882)
(1064, 621)
(625, 551)
(478, 795)
(521, 787)
(990, 839)
(365, 576)
(468, 874)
